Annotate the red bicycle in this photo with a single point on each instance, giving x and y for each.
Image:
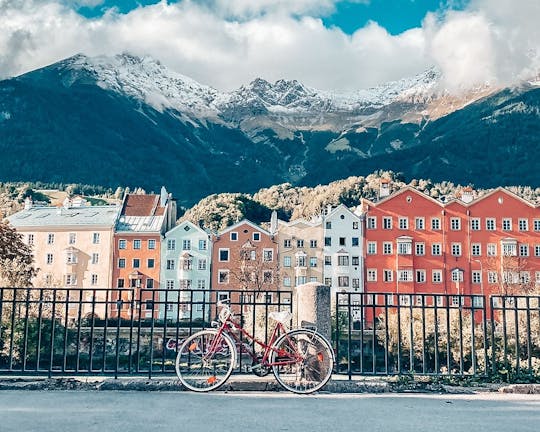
(301, 360)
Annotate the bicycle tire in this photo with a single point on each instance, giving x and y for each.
(315, 361)
(201, 370)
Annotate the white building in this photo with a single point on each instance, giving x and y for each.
(343, 250)
(186, 252)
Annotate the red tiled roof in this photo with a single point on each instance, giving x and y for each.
(142, 205)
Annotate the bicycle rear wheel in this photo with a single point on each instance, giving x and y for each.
(205, 360)
(302, 361)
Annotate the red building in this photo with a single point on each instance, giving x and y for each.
(416, 244)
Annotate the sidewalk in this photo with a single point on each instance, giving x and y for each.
(246, 383)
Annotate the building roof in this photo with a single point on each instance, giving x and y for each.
(139, 224)
(65, 217)
(142, 205)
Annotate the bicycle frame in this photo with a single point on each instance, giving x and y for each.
(229, 325)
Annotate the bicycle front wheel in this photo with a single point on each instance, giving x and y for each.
(205, 360)
(302, 361)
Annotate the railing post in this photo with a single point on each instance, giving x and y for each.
(312, 304)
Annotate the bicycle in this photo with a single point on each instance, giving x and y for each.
(301, 360)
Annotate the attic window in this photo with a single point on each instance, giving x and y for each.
(186, 228)
(409, 199)
(500, 200)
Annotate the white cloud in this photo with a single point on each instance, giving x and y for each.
(227, 43)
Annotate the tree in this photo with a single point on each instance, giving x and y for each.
(16, 261)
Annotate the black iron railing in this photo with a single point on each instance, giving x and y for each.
(113, 332)
(428, 334)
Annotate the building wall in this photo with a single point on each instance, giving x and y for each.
(300, 252)
(186, 253)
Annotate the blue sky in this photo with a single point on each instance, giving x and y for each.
(335, 45)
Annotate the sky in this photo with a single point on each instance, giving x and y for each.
(336, 45)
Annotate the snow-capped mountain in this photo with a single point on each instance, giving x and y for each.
(125, 120)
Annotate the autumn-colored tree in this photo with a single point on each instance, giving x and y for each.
(16, 261)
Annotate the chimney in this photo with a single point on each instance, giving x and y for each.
(273, 223)
(28, 203)
(384, 188)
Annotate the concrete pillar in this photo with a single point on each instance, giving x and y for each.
(311, 303)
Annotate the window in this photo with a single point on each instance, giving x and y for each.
(343, 281)
(419, 223)
(456, 249)
(72, 238)
(436, 249)
(455, 224)
(355, 225)
(478, 301)
(287, 281)
(403, 223)
(185, 283)
(343, 260)
(371, 222)
(476, 249)
(490, 224)
(313, 261)
(187, 263)
(286, 261)
(420, 248)
(507, 224)
(387, 248)
(372, 248)
(256, 236)
(328, 241)
(523, 224)
(436, 276)
(170, 284)
(122, 243)
(268, 276)
(30, 239)
(202, 244)
(342, 241)
(524, 277)
(234, 236)
(327, 260)
(492, 277)
(223, 276)
(223, 255)
(328, 225)
(457, 275)
(50, 258)
(301, 260)
(95, 258)
(50, 238)
(524, 250)
(314, 279)
(186, 244)
(387, 223)
(476, 277)
(71, 258)
(491, 249)
(537, 250)
(120, 283)
(405, 275)
(435, 224)
(404, 248)
(94, 279)
(71, 279)
(151, 244)
(356, 283)
(420, 276)
(150, 263)
(136, 244)
(475, 224)
(313, 243)
(121, 263)
(509, 248)
(536, 224)
(170, 264)
(404, 300)
(136, 262)
(149, 283)
(354, 241)
(372, 275)
(388, 275)
(202, 264)
(95, 238)
(300, 243)
(171, 244)
(287, 243)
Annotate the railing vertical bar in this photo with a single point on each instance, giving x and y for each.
(424, 359)
(78, 344)
(92, 326)
(25, 333)
(53, 333)
(39, 329)
(436, 324)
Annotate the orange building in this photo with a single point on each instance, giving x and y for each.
(244, 257)
(416, 244)
(137, 251)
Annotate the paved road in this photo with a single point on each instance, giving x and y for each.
(58, 411)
